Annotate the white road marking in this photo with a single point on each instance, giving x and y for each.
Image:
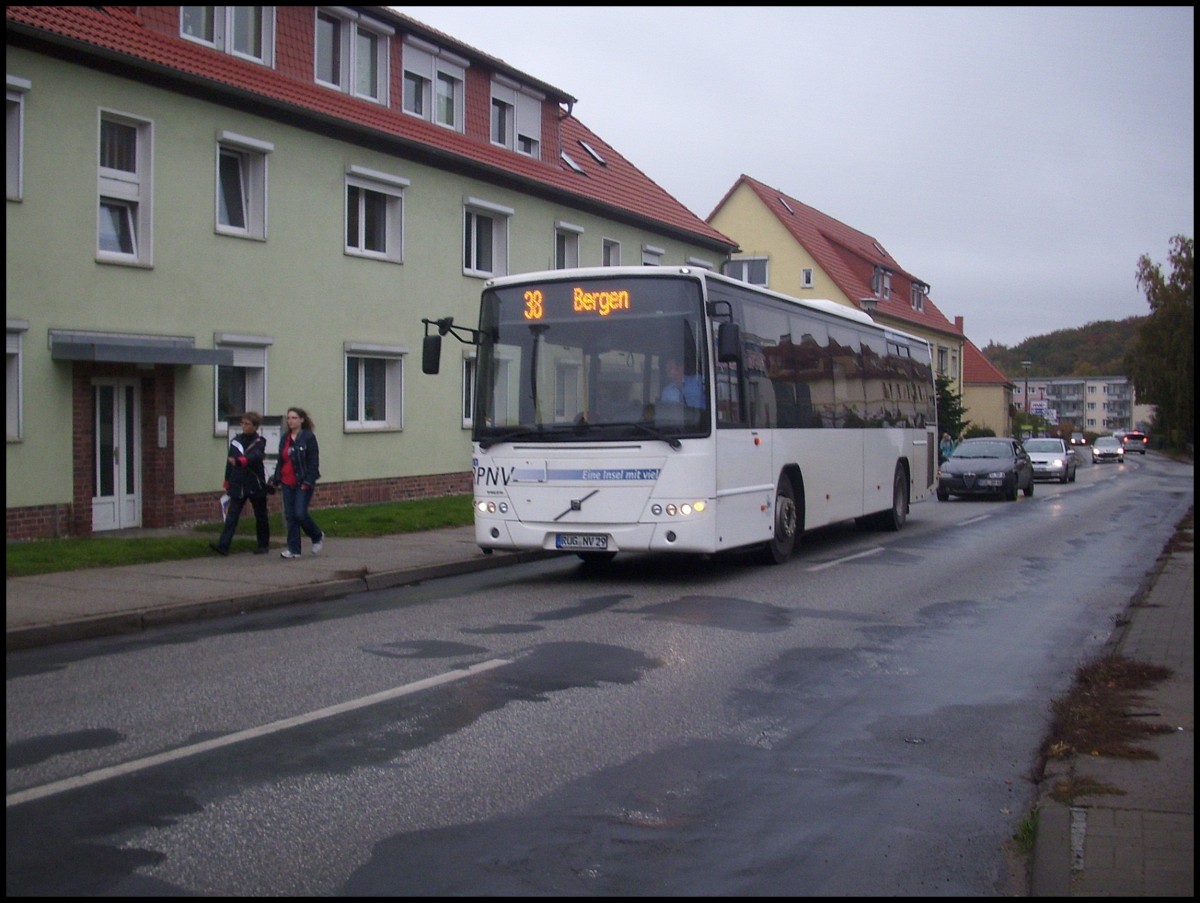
(113, 771)
(829, 564)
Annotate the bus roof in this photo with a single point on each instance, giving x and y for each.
(824, 305)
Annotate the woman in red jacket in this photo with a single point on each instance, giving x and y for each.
(296, 474)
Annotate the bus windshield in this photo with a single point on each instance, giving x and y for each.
(593, 358)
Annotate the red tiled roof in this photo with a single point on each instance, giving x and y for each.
(977, 369)
(119, 34)
(848, 256)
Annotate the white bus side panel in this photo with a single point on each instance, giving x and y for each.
(746, 479)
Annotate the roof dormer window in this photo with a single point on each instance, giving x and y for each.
(881, 282)
(244, 31)
(919, 293)
(351, 53)
(434, 81)
(516, 117)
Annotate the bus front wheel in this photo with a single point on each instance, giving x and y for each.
(783, 541)
(893, 519)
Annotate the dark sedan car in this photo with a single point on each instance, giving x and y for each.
(986, 466)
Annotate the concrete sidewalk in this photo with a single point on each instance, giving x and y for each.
(72, 605)
(1137, 844)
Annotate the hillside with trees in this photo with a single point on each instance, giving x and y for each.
(1096, 349)
(1157, 352)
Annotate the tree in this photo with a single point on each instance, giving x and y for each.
(950, 408)
(1162, 364)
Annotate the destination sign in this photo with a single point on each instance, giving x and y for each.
(583, 302)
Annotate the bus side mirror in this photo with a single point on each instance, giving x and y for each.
(431, 354)
(729, 343)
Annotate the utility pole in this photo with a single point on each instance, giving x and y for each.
(1025, 365)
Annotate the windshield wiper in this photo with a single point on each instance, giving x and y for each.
(650, 431)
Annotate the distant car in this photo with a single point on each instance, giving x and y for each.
(986, 466)
(1108, 448)
(1135, 441)
(1078, 439)
(1052, 459)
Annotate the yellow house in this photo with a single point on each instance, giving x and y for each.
(987, 393)
(791, 248)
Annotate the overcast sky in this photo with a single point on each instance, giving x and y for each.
(1019, 160)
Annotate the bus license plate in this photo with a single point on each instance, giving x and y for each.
(590, 542)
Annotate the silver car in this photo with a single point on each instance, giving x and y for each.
(1107, 448)
(1052, 459)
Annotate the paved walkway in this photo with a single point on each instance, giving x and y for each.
(1138, 844)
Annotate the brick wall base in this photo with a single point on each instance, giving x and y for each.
(52, 521)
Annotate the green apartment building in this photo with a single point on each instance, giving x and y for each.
(216, 209)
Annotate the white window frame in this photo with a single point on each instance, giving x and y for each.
(611, 253)
(225, 25)
(566, 245)
(356, 354)
(251, 155)
(348, 56)
(14, 136)
(127, 193)
(476, 210)
(520, 112)
(432, 66)
(807, 277)
(14, 375)
(249, 355)
(391, 189)
(652, 256)
(740, 268)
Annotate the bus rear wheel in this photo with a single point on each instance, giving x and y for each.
(783, 541)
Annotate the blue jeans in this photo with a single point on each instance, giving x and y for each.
(297, 518)
(262, 525)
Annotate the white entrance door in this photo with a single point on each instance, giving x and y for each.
(117, 455)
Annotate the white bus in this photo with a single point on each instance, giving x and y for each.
(789, 414)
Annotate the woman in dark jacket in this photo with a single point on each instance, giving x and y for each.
(296, 474)
(245, 479)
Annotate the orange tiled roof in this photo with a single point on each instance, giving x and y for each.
(977, 369)
(134, 39)
(848, 256)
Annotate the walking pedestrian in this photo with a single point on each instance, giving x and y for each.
(296, 474)
(246, 481)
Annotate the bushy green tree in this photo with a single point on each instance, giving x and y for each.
(950, 409)
(1162, 363)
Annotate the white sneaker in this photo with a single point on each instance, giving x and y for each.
(318, 544)
(287, 553)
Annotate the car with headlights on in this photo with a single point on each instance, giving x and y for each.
(1135, 441)
(1108, 448)
(1078, 439)
(988, 466)
(1052, 459)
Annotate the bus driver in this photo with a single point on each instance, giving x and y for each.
(682, 389)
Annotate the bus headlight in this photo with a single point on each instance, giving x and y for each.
(684, 509)
(487, 506)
